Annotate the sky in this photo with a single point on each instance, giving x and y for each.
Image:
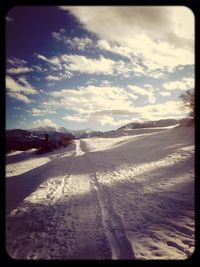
(97, 67)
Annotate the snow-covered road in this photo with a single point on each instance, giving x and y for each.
(124, 197)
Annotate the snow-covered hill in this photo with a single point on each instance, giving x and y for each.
(125, 196)
(158, 123)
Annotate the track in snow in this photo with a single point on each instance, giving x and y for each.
(114, 230)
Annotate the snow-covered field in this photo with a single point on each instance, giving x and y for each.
(125, 195)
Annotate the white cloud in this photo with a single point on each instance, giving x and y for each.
(60, 76)
(50, 84)
(56, 62)
(138, 70)
(79, 43)
(53, 78)
(41, 112)
(93, 98)
(169, 109)
(75, 118)
(165, 93)
(183, 21)
(92, 81)
(126, 19)
(57, 36)
(118, 22)
(105, 83)
(104, 45)
(110, 120)
(19, 66)
(184, 84)
(67, 64)
(98, 103)
(52, 61)
(148, 92)
(18, 89)
(115, 48)
(95, 118)
(19, 70)
(16, 62)
(155, 34)
(101, 104)
(45, 122)
(20, 97)
(102, 65)
(51, 104)
(38, 68)
(42, 57)
(23, 80)
(76, 42)
(88, 65)
(24, 87)
(159, 56)
(82, 64)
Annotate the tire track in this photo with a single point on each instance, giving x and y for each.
(59, 193)
(120, 246)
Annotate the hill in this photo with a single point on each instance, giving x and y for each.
(149, 124)
(119, 197)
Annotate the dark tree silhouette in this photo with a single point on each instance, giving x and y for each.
(188, 100)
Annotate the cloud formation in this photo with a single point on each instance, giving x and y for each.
(165, 32)
(88, 65)
(52, 61)
(184, 84)
(17, 89)
(41, 112)
(19, 70)
(94, 104)
(118, 64)
(164, 93)
(148, 92)
(16, 62)
(79, 43)
(121, 22)
(65, 65)
(93, 98)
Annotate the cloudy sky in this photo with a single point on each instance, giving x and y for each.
(97, 67)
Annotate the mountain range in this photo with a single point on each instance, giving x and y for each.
(18, 139)
(83, 133)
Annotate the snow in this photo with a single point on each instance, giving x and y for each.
(124, 195)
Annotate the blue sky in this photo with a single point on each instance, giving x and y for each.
(97, 67)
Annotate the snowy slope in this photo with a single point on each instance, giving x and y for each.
(129, 196)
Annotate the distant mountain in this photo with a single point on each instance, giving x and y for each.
(48, 129)
(83, 133)
(149, 124)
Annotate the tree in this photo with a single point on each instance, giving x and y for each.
(188, 100)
